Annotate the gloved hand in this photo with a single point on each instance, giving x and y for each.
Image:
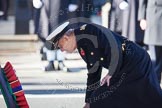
(72, 7)
(143, 24)
(1, 13)
(37, 4)
(123, 5)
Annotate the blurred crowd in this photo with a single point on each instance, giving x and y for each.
(138, 20)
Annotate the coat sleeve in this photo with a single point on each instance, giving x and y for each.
(93, 81)
(142, 9)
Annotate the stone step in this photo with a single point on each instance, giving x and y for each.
(18, 43)
(18, 38)
(52, 101)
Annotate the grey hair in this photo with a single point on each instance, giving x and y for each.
(69, 32)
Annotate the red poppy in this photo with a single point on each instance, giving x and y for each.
(82, 52)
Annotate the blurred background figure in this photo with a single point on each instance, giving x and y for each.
(4, 5)
(124, 20)
(115, 17)
(131, 25)
(48, 14)
(37, 4)
(80, 11)
(23, 15)
(90, 10)
(150, 16)
(80, 8)
(96, 16)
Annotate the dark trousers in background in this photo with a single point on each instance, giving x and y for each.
(4, 5)
(158, 61)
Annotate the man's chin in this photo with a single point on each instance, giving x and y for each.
(70, 51)
(67, 51)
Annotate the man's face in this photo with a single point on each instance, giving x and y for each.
(67, 43)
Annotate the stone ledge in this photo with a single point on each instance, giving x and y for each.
(31, 37)
(18, 43)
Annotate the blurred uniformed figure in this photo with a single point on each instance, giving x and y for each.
(4, 5)
(124, 20)
(83, 7)
(130, 24)
(130, 81)
(37, 4)
(49, 14)
(80, 10)
(97, 14)
(150, 16)
(115, 17)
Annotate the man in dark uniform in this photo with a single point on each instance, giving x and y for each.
(130, 82)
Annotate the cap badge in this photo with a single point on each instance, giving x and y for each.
(83, 27)
(123, 46)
